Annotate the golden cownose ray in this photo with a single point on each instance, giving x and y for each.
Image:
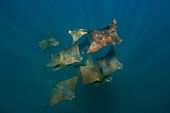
(91, 72)
(49, 42)
(77, 33)
(63, 90)
(65, 57)
(105, 79)
(103, 37)
(109, 62)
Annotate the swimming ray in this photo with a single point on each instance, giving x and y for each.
(91, 72)
(105, 79)
(84, 46)
(63, 90)
(66, 57)
(109, 62)
(77, 33)
(49, 42)
(103, 37)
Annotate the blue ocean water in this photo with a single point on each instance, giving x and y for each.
(142, 86)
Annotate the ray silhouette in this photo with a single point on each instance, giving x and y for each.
(105, 79)
(90, 72)
(49, 42)
(109, 62)
(65, 57)
(77, 33)
(63, 90)
(103, 37)
(84, 46)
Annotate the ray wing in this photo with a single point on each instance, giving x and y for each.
(77, 33)
(72, 82)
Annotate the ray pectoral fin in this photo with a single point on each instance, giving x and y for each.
(57, 94)
(56, 99)
(72, 82)
(91, 49)
(111, 27)
(95, 46)
(61, 94)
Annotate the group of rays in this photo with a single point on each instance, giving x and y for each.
(87, 71)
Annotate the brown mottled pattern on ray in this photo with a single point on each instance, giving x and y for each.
(103, 37)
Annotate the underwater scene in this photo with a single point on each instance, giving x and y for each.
(85, 56)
